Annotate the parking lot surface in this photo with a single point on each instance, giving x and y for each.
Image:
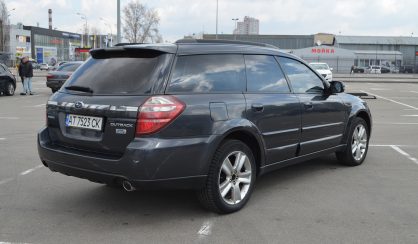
(318, 201)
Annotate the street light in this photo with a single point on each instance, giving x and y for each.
(110, 27)
(235, 30)
(9, 12)
(216, 19)
(83, 16)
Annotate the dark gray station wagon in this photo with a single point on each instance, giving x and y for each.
(206, 115)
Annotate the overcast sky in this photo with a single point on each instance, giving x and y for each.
(184, 17)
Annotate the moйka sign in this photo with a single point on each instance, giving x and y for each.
(323, 50)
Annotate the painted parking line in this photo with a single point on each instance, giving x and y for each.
(2, 139)
(395, 123)
(2, 242)
(205, 229)
(9, 118)
(36, 106)
(379, 89)
(391, 100)
(7, 180)
(396, 148)
(410, 115)
(31, 170)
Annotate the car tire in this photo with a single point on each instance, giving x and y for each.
(54, 90)
(10, 89)
(357, 144)
(231, 178)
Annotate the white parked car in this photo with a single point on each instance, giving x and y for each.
(374, 69)
(323, 69)
(44, 66)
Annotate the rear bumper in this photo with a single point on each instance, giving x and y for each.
(146, 163)
(54, 84)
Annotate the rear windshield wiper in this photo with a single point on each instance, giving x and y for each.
(80, 88)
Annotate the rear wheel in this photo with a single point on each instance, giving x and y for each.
(10, 89)
(231, 178)
(358, 144)
(54, 90)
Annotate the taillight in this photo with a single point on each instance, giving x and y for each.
(49, 76)
(157, 112)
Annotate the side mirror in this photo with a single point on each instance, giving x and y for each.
(337, 87)
(331, 69)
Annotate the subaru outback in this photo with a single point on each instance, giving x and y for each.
(211, 116)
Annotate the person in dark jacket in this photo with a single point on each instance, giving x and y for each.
(27, 73)
(19, 67)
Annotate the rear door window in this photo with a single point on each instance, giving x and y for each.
(264, 75)
(302, 79)
(222, 73)
(119, 75)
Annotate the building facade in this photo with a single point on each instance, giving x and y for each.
(280, 41)
(250, 26)
(50, 46)
(20, 42)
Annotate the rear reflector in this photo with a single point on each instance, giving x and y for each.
(157, 112)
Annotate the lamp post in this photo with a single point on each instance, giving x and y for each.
(110, 27)
(118, 23)
(216, 19)
(9, 12)
(235, 27)
(83, 16)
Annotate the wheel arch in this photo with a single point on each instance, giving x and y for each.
(251, 139)
(361, 113)
(364, 115)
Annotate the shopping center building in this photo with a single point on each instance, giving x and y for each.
(339, 51)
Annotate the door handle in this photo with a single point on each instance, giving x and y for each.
(308, 106)
(258, 107)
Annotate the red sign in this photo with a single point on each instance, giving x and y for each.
(56, 41)
(82, 50)
(416, 53)
(323, 50)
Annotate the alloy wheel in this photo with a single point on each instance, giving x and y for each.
(359, 142)
(235, 177)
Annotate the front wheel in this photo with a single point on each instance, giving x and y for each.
(231, 178)
(10, 89)
(358, 144)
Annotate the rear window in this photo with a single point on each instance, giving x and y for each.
(68, 67)
(119, 75)
(223, 73)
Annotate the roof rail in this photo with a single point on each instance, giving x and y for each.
(128, 44)
(222, 41)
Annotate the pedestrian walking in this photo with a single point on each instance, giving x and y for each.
(352, 69)
(27, 73)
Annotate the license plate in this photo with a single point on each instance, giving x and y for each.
(85, 122)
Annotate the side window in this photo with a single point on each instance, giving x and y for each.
(208, 74)
(264, 74)
(303, 80)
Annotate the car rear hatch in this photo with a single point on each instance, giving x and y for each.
(97, 110)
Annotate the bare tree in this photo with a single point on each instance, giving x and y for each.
(141, 23)
(4, 26)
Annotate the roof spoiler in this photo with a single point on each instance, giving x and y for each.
(122, 52)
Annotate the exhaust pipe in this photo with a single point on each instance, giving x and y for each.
(128, 186)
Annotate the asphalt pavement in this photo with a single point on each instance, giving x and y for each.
(318, 201)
